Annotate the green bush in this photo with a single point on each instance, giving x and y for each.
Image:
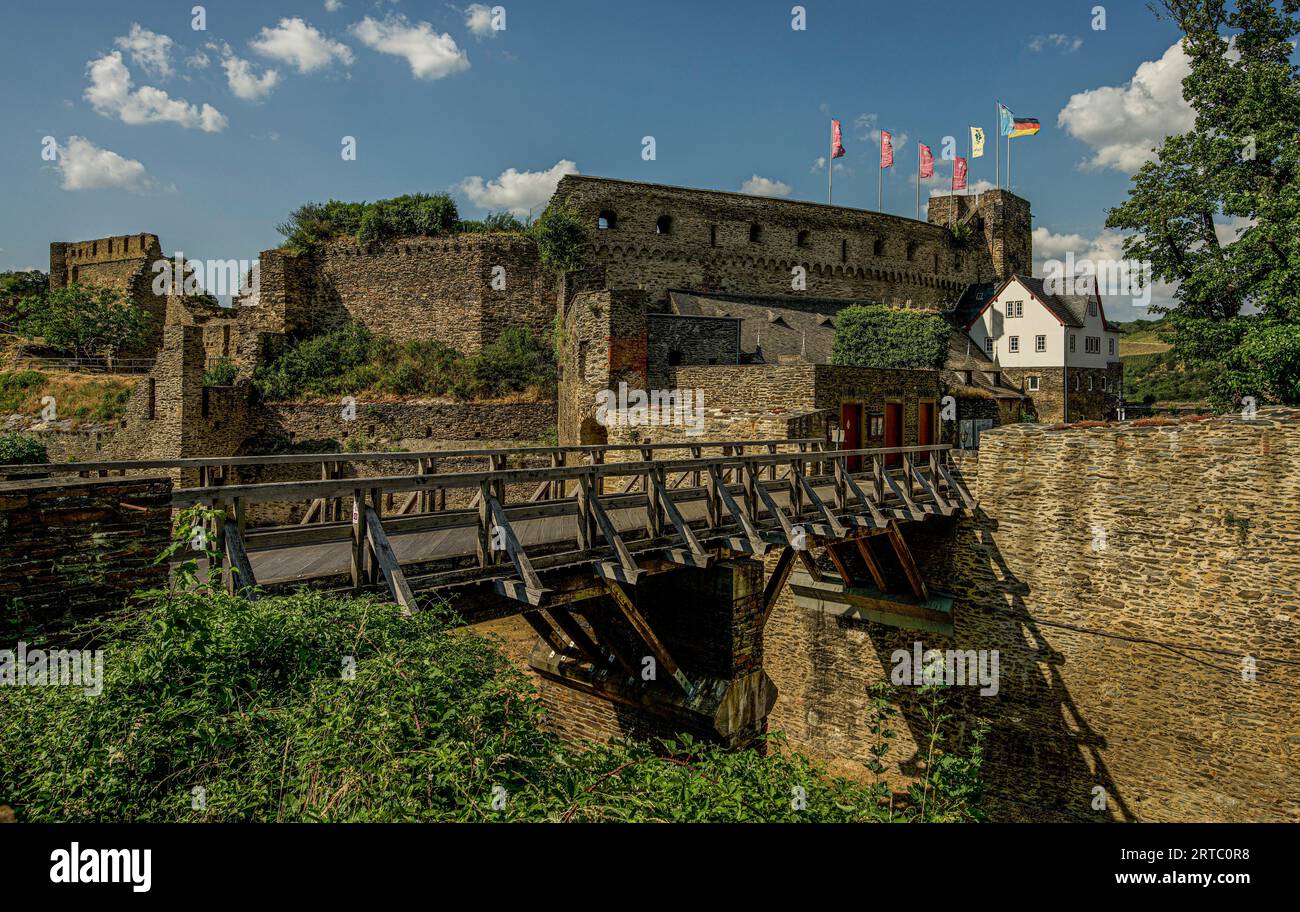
(19, 449)
(311, 707)
(561, 238)
(350, 361)
(880, 336)
(221, 373)
(15, 386)
(417, 214)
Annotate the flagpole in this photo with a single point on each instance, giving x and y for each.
(880, 187)
(997, 139)
(918, 180)
(1008, 162)
(830, 168)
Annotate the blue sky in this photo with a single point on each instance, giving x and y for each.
(211, 157)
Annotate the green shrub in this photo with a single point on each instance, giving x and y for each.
(880, 336)
(19, 449)
(15, 387)
(561, 238)
(311, 707)
(418, 214)
(516, 361)
(221, 373)
(316, 365)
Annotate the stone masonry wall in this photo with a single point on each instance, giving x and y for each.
(707, 244)
(688, 340)
(1124, 574)
(74, 548)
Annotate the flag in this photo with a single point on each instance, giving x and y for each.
(1005, 120)
(837, 144)
(927, 161)
(976, 142)
(959, 174)
(1024, 126)
(886, 150)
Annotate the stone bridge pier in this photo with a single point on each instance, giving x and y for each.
(680, 652)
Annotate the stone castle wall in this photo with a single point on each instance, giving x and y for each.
(1124, 574)
(122, 263)
(731, 242)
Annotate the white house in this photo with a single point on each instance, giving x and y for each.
(1058, 348)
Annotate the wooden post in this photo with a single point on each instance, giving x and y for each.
(358, 539)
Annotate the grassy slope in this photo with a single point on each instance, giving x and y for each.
(1150, 368)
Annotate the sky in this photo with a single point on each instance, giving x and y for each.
(210, 137)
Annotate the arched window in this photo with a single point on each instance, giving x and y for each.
(911, 252)
(801, 239)
(844, 250)
(713, 235)
(607, 220)
(936, 262)
(878, 248)
(755, 233)
(664, 225)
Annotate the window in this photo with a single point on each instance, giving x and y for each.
(878, 248)
(911, 252)
(755, 233)
(876, 426)
(1090, 383)
(1092, 308)
(1013, 343)
(607, 220)
(674, 357)
(988, 345)
(1015, 309)
(1033, 384)
(713, 235)
(1092, 345)
(1040, 343)
(844, 251)
(936, 262)
(1076, 381)
(1112, 347)
(801, 239)
(664, 225)
(1073, 341)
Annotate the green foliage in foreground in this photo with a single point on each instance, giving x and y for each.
(352, 361)
(885, 337)
(314, 708)
(19, 449)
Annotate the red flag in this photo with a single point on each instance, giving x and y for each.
(927, 161)
(886, 150)
(837, 144)
(959, 174)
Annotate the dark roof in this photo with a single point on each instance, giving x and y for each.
(772, 326)
(972, 301)
(1070, 309)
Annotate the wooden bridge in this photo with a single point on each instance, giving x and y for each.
(551, 532)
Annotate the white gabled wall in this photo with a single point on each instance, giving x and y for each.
(1037, 321)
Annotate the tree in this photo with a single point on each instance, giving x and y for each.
(879, 336)
(14, 286)
(561, 237)
(82, 321)
(1238, 298)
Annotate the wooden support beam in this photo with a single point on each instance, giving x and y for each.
(516, 552)
(718, 488)
(786, 526)
(578, 635)
(631, 572)
(679, 523)
(603, 625)
(945, 508)
(776, 582)
(638, 623)
(537, 620)
(840, 566)
(313, 511)
(909, 563)
(901, 493)
(838, 529)
(877, 575)
(240, 578)
(809, 564)
(358, 541)
(876, 516)
(955, 485)
(388, 565)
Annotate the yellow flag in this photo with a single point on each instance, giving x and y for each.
(976, 142)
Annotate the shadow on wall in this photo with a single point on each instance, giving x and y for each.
(1043, 761)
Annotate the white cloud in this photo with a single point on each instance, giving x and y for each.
(333, 6)
(868, 127)
(111, 94)
(244, 82)
(431, 54)
(763, 186)
(1125, 124)
(478, 19)
(198, 61)
(820, 165)
(149, 51)
(300, 45)
(1066, 44)
(516, 191)
(85, 166)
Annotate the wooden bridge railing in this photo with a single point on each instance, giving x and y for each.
(744, 501)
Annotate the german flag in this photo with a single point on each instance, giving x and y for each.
(1024, 126)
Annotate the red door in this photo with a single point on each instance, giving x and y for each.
(925, 424)
(851, 424)
(893, 430)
